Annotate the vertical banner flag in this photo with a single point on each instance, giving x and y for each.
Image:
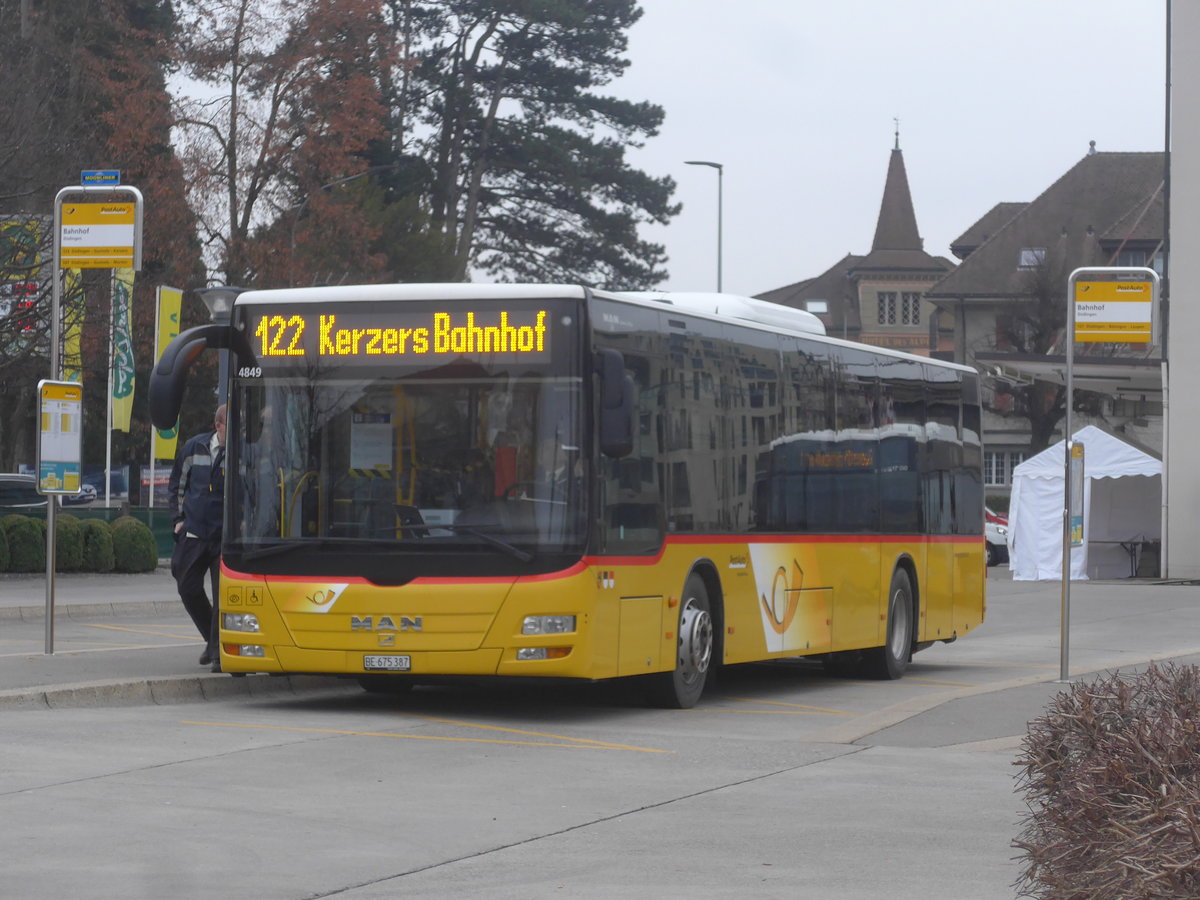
(72, 359)
(170, 301)
(122, 352)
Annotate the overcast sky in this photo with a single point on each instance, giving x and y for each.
(796, 98)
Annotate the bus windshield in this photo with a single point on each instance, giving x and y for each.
(394, 472)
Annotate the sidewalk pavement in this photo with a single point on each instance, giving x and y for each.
(98, 620)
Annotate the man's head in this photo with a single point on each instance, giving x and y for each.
(219, 424)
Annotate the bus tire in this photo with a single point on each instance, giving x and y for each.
(889, 661)
(694, 642)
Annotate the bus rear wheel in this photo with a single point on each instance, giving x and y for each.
(890, 660)
(681, 688)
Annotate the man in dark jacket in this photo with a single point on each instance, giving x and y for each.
(197, 502)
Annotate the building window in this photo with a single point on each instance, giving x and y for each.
(899, 309)
(817, 307)
(998, 466)
(1140, 258)
(1131, 258)
(1031, 257)
(887, 307)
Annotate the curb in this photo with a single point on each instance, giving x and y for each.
(92, 610)
(166, 691)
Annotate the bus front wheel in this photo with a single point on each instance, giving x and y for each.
(681, 688)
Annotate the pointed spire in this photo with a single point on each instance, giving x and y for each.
(897, 225)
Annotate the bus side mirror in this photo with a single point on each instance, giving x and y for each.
(616, 404)
(168, 378)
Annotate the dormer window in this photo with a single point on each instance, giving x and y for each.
(817, 307)
(1031, 257)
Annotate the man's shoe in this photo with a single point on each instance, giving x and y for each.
(205, 659)
(216, 666)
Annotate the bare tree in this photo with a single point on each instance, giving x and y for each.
(285, 99)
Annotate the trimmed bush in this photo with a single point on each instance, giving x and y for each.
(1111, 776)
(134, 547)
(97, 545)
(26, 543)
(68, 543)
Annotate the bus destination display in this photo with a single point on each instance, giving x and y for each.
(392, 336)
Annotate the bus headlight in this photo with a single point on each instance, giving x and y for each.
(548, 625)
(239, 621)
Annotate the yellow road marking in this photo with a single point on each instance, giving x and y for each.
(146, 629)
(603, 745)
(773, 712)
(799, 707)
(122, 647)
(576, 743)
(941, 681)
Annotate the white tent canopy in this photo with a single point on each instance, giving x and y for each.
(1122, 509)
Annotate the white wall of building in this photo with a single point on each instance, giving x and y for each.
(1182, 488)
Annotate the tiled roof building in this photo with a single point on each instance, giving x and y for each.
(878, 298)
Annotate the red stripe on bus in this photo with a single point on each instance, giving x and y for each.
(600, 560)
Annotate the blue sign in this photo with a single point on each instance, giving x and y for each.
(107, 177)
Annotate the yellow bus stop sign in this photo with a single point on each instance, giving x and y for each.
(1114, 311)
(98, 235)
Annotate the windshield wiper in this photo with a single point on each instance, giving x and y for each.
(276, 549)
(522, 555)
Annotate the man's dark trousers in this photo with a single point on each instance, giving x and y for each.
(192, 559)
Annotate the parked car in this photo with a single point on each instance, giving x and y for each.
(19, 492)
(997, 541)
(87, 493)
(998, 518)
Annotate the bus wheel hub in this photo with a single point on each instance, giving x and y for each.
(695, 640)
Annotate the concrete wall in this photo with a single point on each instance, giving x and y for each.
(1183, 415)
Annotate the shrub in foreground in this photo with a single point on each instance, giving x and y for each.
(68, 543)
(26, 543)
(134, 547)
(97, 545)
(1111, 777)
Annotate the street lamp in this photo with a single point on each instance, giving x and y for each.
(720, 188)
(218, 300)
(301, 206)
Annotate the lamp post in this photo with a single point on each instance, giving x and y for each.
(720, 200)
(302, 205)
(218, 299)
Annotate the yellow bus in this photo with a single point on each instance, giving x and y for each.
(549, 481)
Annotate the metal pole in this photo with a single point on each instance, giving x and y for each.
(720, 222)
(1064, 639)
(720, 210)
(55, 374)
(108, 391)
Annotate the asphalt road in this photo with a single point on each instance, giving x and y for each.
(128, 771)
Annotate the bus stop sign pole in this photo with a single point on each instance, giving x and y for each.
(1105, 304)
(92, 243)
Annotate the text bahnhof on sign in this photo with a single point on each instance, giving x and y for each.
(290, 335)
